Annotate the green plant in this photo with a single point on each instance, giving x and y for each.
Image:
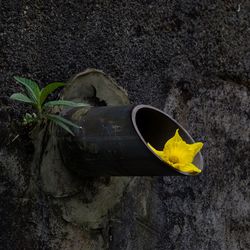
(37, 98)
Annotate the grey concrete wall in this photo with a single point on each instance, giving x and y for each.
(189, 58)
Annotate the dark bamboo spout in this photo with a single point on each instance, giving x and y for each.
(113, 141)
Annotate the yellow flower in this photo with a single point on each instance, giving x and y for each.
(178, 154)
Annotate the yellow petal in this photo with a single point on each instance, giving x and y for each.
(179, 154)
(185, 156)
(187, 168)
(196, 147)
(178, 147)
(177, 137)
(188, 152)
(173, 142)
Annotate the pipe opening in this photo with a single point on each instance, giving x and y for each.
(155, 127)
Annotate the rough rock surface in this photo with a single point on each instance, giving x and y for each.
(190, 58)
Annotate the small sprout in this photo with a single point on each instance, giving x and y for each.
(37, 98)
(30, 119)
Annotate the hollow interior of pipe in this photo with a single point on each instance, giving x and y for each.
(157, 128)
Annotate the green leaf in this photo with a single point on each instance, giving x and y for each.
(63, 120)
(49, 89)
(21, 98)
(65, 103)
(31, 87)
(60, 123)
